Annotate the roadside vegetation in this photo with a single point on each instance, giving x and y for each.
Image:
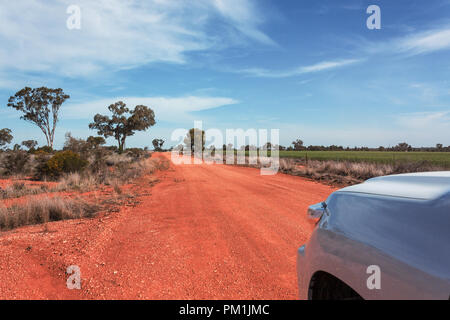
(386, 157)
(50, 184)
(43, 210)
(344, 173)
(345, 166)
(438, 155)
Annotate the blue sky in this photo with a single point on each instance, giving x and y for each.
(309, 68)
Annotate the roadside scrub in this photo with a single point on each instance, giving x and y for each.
(20, 189)
(348, 172)
(43, 210)
(109, 170)
(344, 173)
(120, 171)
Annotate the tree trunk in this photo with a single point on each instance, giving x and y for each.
(121, 144)
(49, 144)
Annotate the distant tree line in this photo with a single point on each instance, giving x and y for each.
(297, 145)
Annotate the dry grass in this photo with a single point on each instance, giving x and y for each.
(343, 173)
(77, 181)
(19, 189)
(43, 210)
(37, 210)
(124, 171)
(115, 159)
(347, 172)
(116, 187)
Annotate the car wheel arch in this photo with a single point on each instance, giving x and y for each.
(325, 286)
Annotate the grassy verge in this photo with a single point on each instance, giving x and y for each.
(441, 159)
(344, 173)
(121, 172)
(43, 210)
(19, 189)
(348, 172)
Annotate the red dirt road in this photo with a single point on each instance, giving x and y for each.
(202, 232)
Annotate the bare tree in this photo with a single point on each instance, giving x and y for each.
(41, 107)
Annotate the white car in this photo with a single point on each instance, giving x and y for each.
(387, 238)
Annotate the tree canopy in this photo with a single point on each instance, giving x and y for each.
(157, 144)
(5, 136)
(30, 144)
(298, 145)
(95, 142)
(41, 107)
(195, 135)
(124, 122)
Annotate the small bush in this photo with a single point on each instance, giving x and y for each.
(137, 153)
(162, 165)
(99, 164)
(62, 162)
(15, 162)
(75, 145)
(75, 181)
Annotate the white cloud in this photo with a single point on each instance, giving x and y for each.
(327, 65)
(321, 66)
(414, 43)
(170, 109)
(439, 120)
(245, 17)
(117, 34)
(426, 42)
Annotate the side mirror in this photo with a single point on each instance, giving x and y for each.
(316, 211)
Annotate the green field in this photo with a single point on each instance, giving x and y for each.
(437, 158)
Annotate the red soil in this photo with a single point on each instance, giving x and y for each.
(202, 232)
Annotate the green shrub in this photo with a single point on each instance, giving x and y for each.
(62, 162)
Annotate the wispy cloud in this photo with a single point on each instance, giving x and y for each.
(245, 16)
(425, 42)
(413, 43)
(424, 120)
(321, 66)
(169, 109)
(118, 34)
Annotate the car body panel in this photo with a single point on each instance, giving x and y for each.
(407, 238)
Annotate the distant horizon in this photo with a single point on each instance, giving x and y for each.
(312, 69)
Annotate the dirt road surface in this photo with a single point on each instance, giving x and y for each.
(201, 232)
